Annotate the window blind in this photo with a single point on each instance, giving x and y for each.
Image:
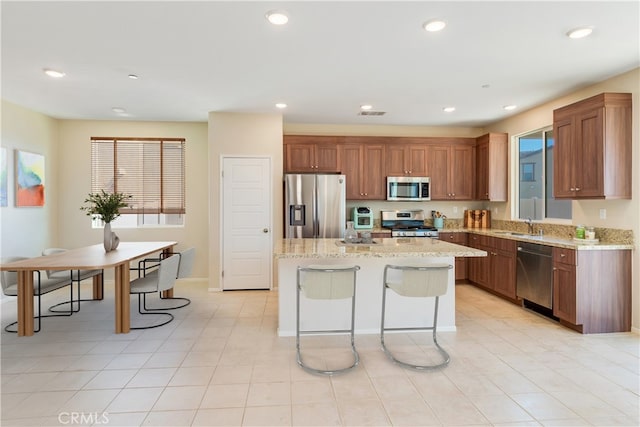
(151, 170)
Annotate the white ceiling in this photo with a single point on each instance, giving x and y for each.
(203, 56)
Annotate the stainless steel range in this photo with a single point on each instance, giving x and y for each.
(407, 223)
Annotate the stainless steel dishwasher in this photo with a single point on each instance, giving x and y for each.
(534, 275)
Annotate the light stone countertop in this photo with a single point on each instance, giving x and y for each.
(381, 248)
(544, 240)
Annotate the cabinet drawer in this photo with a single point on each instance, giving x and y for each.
(477, 239)
(459, 238)
(506, 245)
(564, 256)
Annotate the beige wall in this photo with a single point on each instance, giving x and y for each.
(75, 182)
(235, 134)
(66, 146)
(623, 214)
(26, 231)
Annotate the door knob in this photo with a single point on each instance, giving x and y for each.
(265, 230)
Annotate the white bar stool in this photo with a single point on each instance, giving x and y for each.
(416, 282)
(326, 282)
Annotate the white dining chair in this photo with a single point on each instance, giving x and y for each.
(185, 268)
(161, 280)
(76, 276)
(41, 285)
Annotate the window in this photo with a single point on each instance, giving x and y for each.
(527, 172)
(535, 186)
(150, 169)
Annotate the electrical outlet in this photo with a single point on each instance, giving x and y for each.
(603, 214)
(455, 209)
(495, 211)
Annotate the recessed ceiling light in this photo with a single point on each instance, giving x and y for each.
(281, 105)
(578, 33)
(510, 107)
(449, 109)
(118, 110)
(434, 25)
(277, 17)
(54, 73)
(133, 77)
(366, 107)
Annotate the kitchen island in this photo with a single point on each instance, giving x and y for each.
(372, 258)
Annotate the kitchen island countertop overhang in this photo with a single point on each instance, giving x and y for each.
(372, 258)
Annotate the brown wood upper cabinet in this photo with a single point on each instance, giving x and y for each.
(406, 159)
(492, 167)
(592, 153)
(363, 166)
(451, 169)
(304, 153)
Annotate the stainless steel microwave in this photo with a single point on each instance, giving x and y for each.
(408, 188)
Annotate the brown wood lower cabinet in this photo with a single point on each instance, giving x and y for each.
(592, 289)
(459, 239)
(497, 271)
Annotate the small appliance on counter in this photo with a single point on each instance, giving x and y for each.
(362, 218)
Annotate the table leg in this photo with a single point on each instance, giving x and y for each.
(25, 303)
(97, 287)
(122, 299)
(169, 292)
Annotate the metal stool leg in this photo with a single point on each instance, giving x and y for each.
(354, 352)
(445, 356)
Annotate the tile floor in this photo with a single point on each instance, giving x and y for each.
(220, 363)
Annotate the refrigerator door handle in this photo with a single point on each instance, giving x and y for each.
(316, 223)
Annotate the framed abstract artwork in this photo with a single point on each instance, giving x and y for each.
(4, 179)
(29, 179)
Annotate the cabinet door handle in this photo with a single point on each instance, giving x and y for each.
(572, 189)
(562, 255)
(577, 188)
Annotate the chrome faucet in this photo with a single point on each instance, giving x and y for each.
(529, 223)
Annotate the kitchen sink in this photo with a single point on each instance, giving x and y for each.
(525, 235)
(512, 233)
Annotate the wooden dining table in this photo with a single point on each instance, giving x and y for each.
(85, 258)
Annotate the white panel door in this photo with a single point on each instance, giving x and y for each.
(246, 223)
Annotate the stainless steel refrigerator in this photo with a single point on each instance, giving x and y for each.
(315, 206)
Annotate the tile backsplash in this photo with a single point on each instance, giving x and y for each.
(605, 235)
